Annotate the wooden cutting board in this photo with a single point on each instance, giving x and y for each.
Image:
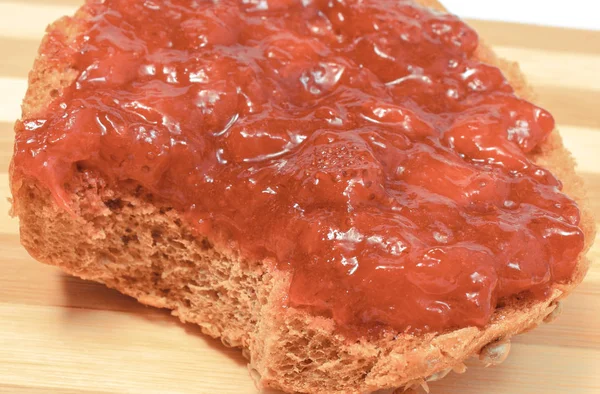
(59, 334)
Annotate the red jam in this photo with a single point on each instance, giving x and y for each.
(357, 144)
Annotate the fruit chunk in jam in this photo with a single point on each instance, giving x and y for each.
(358, 145)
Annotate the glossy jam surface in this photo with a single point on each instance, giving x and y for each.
(358, 145)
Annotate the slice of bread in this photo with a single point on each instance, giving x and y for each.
(137, 244)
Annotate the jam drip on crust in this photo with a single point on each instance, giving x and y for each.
(359, 145)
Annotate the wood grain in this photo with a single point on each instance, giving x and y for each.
(59, 334)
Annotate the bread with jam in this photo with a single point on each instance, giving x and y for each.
(359, 194)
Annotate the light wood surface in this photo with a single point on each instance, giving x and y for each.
(63, 335)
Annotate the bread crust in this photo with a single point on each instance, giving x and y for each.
(130, 241)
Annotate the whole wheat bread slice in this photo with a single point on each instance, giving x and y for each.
(130, 241)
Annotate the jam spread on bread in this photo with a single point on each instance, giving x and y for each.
(359, 146)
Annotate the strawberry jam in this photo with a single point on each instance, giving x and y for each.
(358, 145)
